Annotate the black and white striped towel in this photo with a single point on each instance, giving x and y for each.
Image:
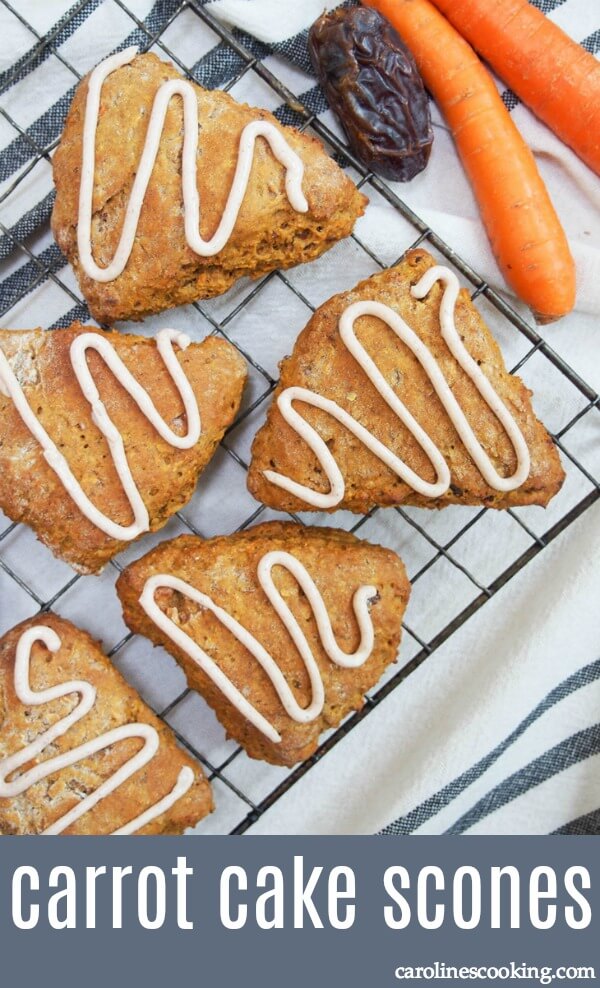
(498, 732)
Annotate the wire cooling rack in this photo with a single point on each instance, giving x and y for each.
(440, 549)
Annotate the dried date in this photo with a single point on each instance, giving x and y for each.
(373, 85)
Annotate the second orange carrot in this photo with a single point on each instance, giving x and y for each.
(557, 78)
(527, 238)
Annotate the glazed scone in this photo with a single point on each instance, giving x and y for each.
(522, 468)
(162, 270)
(38, 380)
(160, 790)
(262, 579)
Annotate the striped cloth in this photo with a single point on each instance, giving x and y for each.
(498, 731)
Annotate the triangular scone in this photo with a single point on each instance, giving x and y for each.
(162, 270)
(163, 792)
(31, 491)
(353, 582)
(322, 363)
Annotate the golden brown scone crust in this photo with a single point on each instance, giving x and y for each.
(162, 270)
(225, 568)
(30, 491)
(80, 657)
(321, 363)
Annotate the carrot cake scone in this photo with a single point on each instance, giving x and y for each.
(80, 752)
(167, 192)
(103, 435)
(281, 628)
(397, 393)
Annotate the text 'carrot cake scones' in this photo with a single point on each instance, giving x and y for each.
(281, 628)
(103, 435)
(396, 393)
(80, 753)
(167, 192)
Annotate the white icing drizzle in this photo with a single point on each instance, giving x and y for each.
(87, 694)
(10, 386)
(303, 715)
(441, 386)
(293, 164)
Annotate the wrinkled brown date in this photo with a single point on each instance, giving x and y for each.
(373, 85)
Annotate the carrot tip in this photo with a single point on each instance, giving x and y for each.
(543, 319)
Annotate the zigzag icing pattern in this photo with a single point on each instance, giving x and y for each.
(293, 164)
(432, 368)
(302, 715)
(10, 386)
(87, 694)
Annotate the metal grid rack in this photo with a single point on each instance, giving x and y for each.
(445, 548)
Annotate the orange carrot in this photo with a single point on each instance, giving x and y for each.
(524, 230)
(550, 72)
